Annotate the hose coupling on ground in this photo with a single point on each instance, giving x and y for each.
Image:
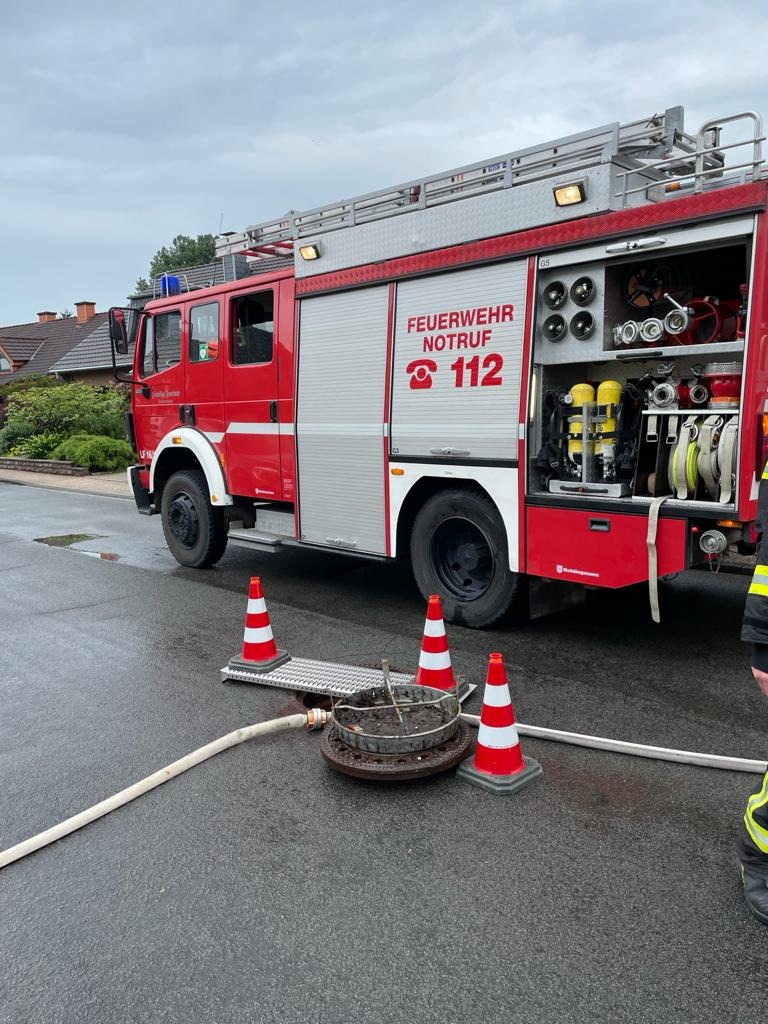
(316, 718)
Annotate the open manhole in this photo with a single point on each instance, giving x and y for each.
(395, 733)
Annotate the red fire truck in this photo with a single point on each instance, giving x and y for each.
(529, 375)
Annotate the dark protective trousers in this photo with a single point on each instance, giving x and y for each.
(753, 845)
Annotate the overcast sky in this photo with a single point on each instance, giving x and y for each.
(122, 128)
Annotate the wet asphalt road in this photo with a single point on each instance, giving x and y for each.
(263, 887)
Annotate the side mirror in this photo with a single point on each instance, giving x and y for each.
(118, 331)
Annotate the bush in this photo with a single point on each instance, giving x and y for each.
(39, 446)
(70, 409)
(34, 380)
(11, 435)
(107, 454)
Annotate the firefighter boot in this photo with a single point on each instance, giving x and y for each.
(755, 879)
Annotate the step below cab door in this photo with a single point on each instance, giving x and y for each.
(250, 395)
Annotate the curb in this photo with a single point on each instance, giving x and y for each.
(48, 485)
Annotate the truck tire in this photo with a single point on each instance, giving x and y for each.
(195, 531)
(459, 551)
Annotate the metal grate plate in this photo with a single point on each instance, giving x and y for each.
(310, 676)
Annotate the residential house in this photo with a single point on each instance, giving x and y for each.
(91, 359)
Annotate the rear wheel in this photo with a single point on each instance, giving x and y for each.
(459, 551)
(195, 531)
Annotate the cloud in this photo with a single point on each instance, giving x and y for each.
(123, 127)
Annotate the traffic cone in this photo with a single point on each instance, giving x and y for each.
(259, 653)
(435, 658)
(498, 764)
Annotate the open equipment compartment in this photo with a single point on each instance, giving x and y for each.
(638, 352)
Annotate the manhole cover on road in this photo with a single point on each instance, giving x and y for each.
(394, 767)
(395, 732)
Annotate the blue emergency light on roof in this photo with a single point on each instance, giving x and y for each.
(170, 284)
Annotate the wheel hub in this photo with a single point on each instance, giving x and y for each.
(462, 558)
(184, 520)
(468, 556)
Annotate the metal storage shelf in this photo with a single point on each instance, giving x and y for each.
(667, 351)
(626, 503)
(693, 411)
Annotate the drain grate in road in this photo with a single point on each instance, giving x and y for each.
(309, 676)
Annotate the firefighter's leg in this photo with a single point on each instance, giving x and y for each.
(754, 853)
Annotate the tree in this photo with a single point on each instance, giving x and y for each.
(66, 314)
(183, 252)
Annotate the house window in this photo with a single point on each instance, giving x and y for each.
(254, 329)
(5, 366)
(204, 333)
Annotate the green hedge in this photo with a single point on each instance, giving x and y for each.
(105, 454)
(70, 409)
(34, 380)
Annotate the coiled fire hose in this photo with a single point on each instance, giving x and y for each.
(313, 719)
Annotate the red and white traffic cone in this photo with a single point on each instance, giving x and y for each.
(435, 658)
(498, 763)
(259, 653)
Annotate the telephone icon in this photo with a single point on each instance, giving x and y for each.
(421, 371)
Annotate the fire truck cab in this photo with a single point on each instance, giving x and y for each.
(529, 375)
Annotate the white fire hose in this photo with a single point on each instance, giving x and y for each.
(313, 719)
(316, 719)
(577, 739)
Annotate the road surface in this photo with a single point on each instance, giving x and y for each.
(263, 887)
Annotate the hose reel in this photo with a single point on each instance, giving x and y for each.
(706, 450)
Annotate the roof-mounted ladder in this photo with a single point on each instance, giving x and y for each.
(655, 148)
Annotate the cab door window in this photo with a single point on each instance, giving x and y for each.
(148, 348)
(167, 339)
(204, 333)
(253, 336)
(161, 342)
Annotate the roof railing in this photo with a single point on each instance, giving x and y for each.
(657, 147)
(706, 161)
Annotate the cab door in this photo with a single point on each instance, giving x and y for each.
(250, 396)
(159, 391)
(203, 373)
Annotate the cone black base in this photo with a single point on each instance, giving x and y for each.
(239, 663)
(499, 783)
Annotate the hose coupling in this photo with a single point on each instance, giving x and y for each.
(316, 718)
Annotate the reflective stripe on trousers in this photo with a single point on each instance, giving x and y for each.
(759, 583)
(756, 818)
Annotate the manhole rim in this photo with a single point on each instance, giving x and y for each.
(377, 743)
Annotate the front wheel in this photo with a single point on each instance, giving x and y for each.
(459, 551)
(195, 531)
